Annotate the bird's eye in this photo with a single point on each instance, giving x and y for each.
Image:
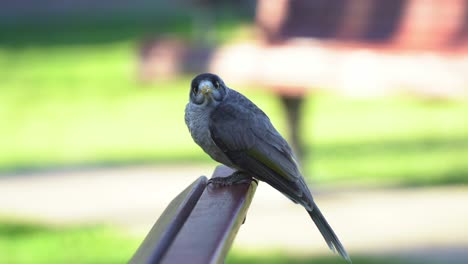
(195, 89)
(217, 84)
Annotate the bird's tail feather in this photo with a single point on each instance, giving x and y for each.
(327, 232)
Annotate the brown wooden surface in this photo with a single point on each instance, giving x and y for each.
(199, 225)
(213, 224)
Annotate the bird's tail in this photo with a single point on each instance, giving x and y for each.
(327, 232)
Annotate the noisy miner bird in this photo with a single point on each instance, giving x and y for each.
(235, 132)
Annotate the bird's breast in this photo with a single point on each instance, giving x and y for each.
(198, 120)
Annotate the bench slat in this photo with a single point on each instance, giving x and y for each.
(211, 228)
(199, 225)
(165, 230)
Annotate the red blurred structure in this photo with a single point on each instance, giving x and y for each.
(355, 47)
(306, 44)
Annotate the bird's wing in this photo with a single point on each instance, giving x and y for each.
(245, 134)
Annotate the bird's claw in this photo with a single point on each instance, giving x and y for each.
(235, 178)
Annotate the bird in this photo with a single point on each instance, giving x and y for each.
(233, 131)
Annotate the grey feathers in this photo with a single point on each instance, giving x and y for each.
(327, 232)
(235, 132)
(245, 134)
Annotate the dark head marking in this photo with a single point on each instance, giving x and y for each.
(215, 82)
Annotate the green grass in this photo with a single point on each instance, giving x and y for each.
(26, 242)
(73, 100)
(390, 140)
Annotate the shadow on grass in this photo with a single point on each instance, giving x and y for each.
(14, 228)
(450, 149)
(449, 177)
(21, 169)
(401, 162)
(393, 147)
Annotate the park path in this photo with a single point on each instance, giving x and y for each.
(421, 221)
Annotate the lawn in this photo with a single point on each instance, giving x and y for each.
(25, 242)
(74, 100)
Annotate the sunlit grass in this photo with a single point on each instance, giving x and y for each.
(406, 140)
(26, 242)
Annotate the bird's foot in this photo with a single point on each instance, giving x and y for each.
(235, 178)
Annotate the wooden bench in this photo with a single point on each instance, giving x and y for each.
(199, 225)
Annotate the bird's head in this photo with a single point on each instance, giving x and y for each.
(207, 88)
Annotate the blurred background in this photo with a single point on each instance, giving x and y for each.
(371, 94)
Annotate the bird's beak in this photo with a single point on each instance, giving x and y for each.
(206, 88)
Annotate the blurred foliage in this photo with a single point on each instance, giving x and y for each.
(69, 96)
(94, 27)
